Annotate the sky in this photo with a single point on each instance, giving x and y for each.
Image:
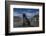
(29, 12)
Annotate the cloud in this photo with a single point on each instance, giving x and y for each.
(17, 14)
(29, 15)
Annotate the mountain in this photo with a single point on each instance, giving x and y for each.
(35, 21)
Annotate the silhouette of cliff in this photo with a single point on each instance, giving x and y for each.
(26, 21)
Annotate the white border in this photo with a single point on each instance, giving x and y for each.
(29, 28)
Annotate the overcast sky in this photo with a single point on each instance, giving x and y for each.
(28, 12)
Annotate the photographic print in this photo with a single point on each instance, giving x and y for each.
(24, 17)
